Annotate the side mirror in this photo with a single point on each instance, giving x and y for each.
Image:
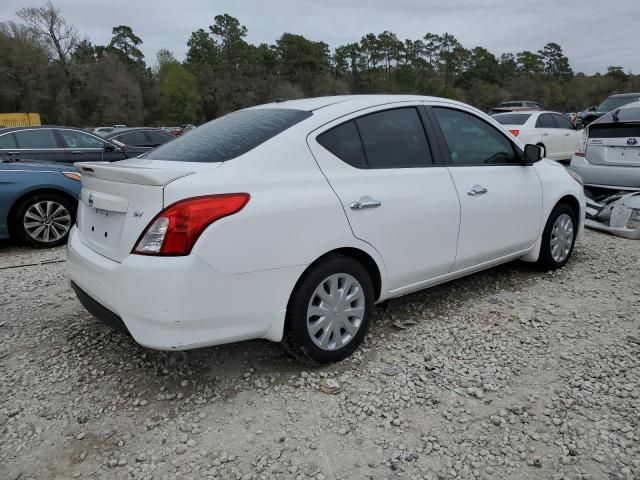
(532, 154)
(592, 109)
(112, 146)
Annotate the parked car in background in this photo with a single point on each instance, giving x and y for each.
(514, 106)
(38, 201)
(57, 144)
(609, 156)
(551, 131)
(173, 131)
(611, 103)
(102, 130)
(139, 139)
(289, 221)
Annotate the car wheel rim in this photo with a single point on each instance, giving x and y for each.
(561, 238)
(47, 221)
(335, 312)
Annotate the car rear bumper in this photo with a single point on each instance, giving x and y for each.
(179, 303)
(606, 176)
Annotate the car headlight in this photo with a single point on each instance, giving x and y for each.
(575, 176)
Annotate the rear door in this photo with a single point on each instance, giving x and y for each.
(501, 200)
(395, 196)
(614, 144)
(136, 141)
(552, 138)
(39, 144)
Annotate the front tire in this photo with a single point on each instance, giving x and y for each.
(329, 312)
(44, 220)
(558, 238)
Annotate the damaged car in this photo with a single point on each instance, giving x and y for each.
(608, 161)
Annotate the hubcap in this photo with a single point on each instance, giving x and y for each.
(335, 312)
(561, 238)
(47, 221)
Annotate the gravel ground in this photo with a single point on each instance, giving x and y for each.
(507, 374)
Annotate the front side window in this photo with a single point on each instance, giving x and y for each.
(394, 139)
(75, 139)
(41, 138)
(230, 136)
(8, 141)
(344, 142)
(545, 121)
(561, 121)
(472, 141)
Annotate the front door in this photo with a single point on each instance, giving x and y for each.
(396, 199)
(501, 199)
(82, 146)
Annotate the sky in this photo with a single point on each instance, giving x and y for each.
(593, 33)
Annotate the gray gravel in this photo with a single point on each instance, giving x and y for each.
(507, 374)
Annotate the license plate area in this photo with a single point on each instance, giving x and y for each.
(101, 227)
(623, 155)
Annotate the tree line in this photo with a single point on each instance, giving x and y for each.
(47, 67)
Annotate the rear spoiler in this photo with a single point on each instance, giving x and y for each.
(139, 175)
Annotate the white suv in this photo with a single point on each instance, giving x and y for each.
(289, 221)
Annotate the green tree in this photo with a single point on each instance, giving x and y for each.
(126, 43)
(529, 64)
(179, 99)
(302, 61)
(556, 64)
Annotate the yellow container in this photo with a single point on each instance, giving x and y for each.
(19, 119)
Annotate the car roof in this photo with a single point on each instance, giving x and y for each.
(624, 95)
(119, 131)
(626, 113)
(317, 103)
(35, 127)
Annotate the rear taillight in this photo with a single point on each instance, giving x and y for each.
(176, 229)
(514, 132)
(581, 148)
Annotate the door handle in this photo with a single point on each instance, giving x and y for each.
(545, 134)
(365, 203)
(76, 152)
(13, 153)
(567, 134)
(477, 190)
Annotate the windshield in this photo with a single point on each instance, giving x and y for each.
(229, 136)
(612, 103)
(512, 118)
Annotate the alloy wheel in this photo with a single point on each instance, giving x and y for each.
(47, 221)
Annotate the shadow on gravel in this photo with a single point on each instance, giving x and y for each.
(226, 369)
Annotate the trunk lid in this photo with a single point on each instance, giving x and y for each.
(614, 144)
(118, 200)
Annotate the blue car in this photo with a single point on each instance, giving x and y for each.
(38, 201)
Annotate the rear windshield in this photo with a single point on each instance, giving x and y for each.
(614, 131)
(512, 118)
(228, 137)
(615, 102)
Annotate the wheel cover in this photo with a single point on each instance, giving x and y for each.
(47, 221)
(336, 311)
(561, 238)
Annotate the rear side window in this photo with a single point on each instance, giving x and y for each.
(42, 138)
(394, 139)
(75, 139)
(545, 121)
(159, 138)
(344, 142)
(230, 136)
(133, 138)
(512, 118)
(8, 141)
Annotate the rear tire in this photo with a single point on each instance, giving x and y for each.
(44, 220)
(329, 311)
(558, 238)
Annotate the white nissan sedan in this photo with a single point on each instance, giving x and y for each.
(289, 221)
